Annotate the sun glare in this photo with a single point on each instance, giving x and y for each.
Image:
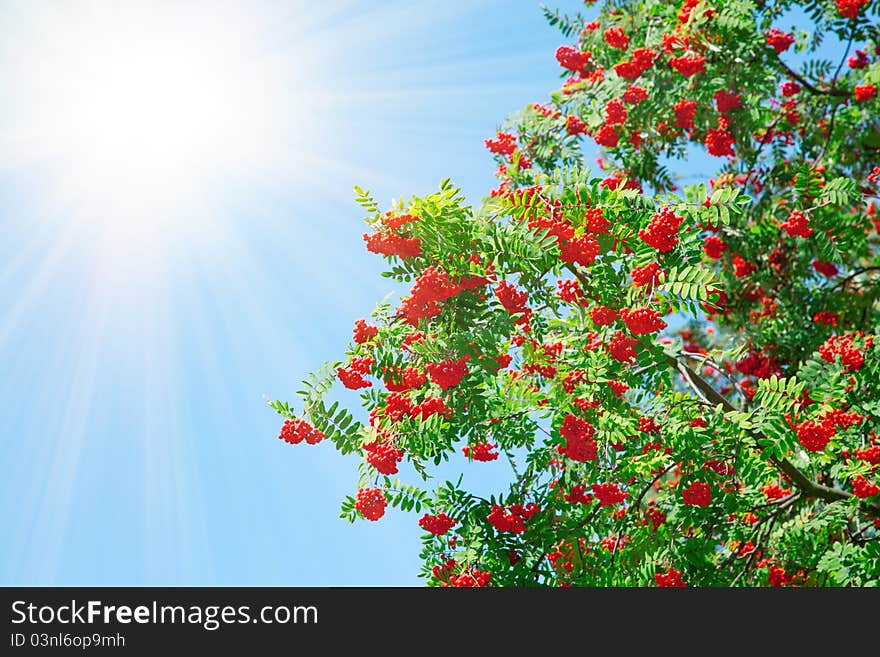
(141, 112)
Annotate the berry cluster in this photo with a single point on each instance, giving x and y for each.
(431, 288)
(437, 525)
(616, 38)
(448, 373)
(602, 315)
(570, 292)
(697, 494)
(621, 348)
(688, 65)
(481, 451)
(797, 224)
(579, 443)
(294, 431)
(642, 321)
(404, 379)
(503, 144)
(850, 8)
(714, 247)
(580, 250)
(662, 231)
(778, 40)
(670, 579)
(615, 112)
(608, 494)
(472, 578)
(863, 488)
(513, 518)
(363, 332)
(643, 59)
(845, 347)
(391, 244)
(685, 112)
(647, 275)
(352, 377)
(371, 503)
(572, 59)
(383, 456)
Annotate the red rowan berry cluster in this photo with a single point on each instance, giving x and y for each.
(647, 275)
(481, 451)
(615, 112)
(688, 65)
(714, 247)
(850, 8)
(437, 525)
(797, 224)
(662, 231)
(670, 579)
(383, 456)
(596, 221)
(615, 37)
(503, 144)
(655, 516)
(513, 300)
(864, 92)
(609, 494)
(642, 321)
(579, 443)
(635, 94)
(869, 455)
(581, 250)
(774, 492)
(814, 436)
(643, 59)
(352, 377)
(790, 88)
(570, 292)
(572, 58)
(685, 112)
(575, 126)
(862, 488)
(606, 136)
(390, 244)
(512, 519)
(472, 578)
(602, 315)
(404, 379)
(697, 494)
(742, 267)
(778, 40)
(845, 346)
(618, 387)
(827, 269)
(294, 431)
(394, 222)
(371, 503)
(363, 332)
(621, 348)
(431, 288)
(726, 101)
(719, 142)
(448, 373)
(858, 60)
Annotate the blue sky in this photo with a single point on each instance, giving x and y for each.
(140, 329)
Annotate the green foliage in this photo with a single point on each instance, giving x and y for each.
(693, 392)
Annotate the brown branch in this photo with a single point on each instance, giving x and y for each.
(809, 487)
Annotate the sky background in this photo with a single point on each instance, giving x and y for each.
(149, 299)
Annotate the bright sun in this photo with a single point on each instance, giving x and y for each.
(140, 109)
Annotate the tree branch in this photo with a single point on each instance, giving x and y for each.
(809, 487)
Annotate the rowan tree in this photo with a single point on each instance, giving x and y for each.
(685, 381)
